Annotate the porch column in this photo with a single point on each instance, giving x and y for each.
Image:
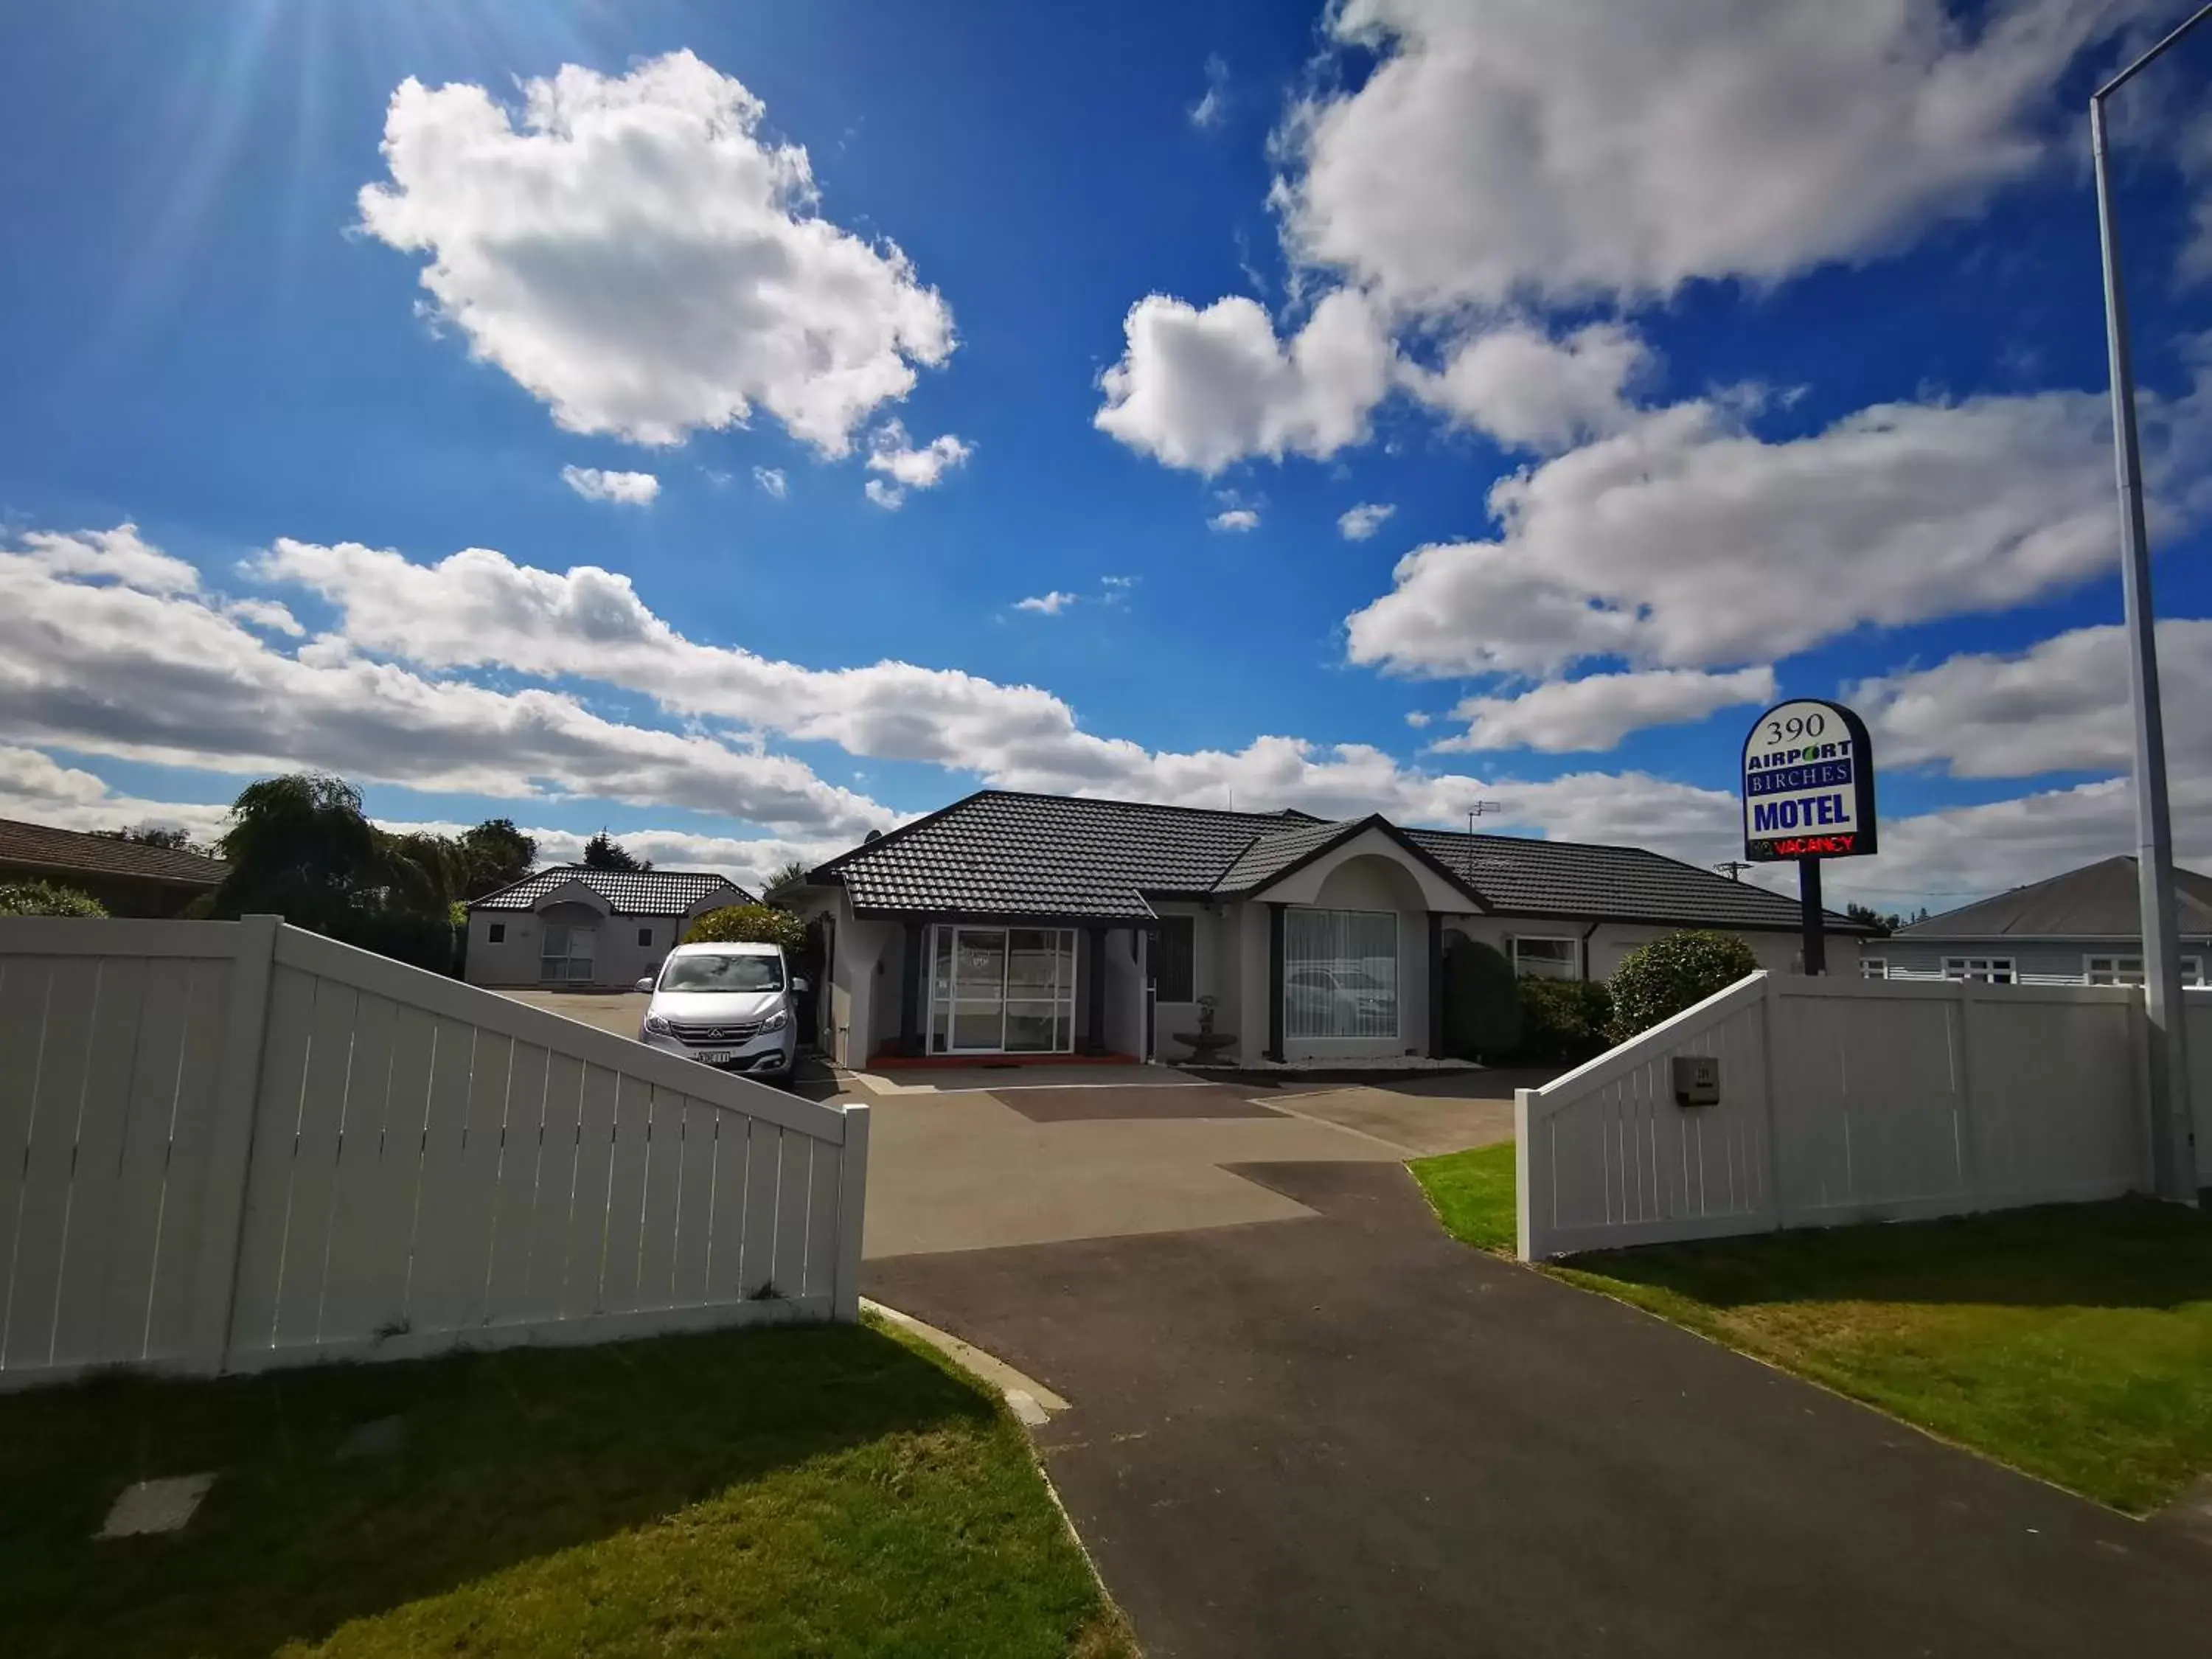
(1094, 996)
(1436, 986)
(910, 1038)
(1274, 1049)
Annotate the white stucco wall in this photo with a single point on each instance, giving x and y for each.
(619, 961)
(1777, 953)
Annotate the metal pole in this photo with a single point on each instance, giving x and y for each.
(1808, 914)
(2173, 1139)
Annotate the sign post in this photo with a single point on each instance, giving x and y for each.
(1808, 795)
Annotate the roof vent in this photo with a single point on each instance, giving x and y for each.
(872, 834)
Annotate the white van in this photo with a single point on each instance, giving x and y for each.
(731, 1005)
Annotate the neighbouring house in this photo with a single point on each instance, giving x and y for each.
(2084, 927)
(1012, 924)
(128, 877)
(586, 929)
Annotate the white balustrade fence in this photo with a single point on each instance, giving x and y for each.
(1845, 1099)
(225, 1146)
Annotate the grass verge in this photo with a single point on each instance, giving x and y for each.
(2073, 1342)
(780, 1492)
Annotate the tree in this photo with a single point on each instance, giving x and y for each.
(604, 852)
(43, 899)
(1657, 980)
(1867, 914)
(754, 924)
(150, 835)
(495, 855)
(302, 846)
(786, 882)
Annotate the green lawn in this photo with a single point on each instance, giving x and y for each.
(813, 1491)
(2073, 1342)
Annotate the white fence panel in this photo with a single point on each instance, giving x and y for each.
(2198, 1005)
(228, 1146)
(108, 1073)
(1842, 1100)
(1607, 1158)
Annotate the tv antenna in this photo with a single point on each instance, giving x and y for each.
(1479, 809)
(1729, 867)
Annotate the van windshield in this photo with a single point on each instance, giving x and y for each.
(720, 972)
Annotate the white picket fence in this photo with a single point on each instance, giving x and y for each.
(227, 1145)
(1843, 1100)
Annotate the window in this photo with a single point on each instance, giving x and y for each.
(566, 952)
(1339, 974)
(2129, 971)
(1991, 970)
(645, 936)
(1544, 958)
(1172, 955)
(747, 971)
(496, 933)
(1874, 967)
(1002, 990)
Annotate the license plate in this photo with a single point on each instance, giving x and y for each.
(713, 1056)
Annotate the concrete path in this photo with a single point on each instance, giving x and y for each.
(1106, 1151)
(1345, 1434)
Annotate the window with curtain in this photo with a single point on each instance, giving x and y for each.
(1339, 974)
(1538, 957)
(1173, 957)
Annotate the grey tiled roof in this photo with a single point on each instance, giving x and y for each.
(628, 892)
(1269, 855)
(2098, 901)
(1001, 853)
(1576, 878)
(998, 853)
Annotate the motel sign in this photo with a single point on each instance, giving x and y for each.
(1808, 784)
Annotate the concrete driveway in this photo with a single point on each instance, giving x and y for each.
(618, 1011)
(1326, 1429)
(977, 1160)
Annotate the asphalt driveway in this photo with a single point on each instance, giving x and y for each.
(1342, 1433)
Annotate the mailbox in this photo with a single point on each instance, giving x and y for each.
(1697, 1080)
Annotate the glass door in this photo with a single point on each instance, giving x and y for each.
(1001, 990)
(979, 990)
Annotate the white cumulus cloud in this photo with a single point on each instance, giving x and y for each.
(1234, 519)
(1357, 524)
(1049, 604)
(632, 251)
(1504, 148)
(1201, 389)
(1687, 540)
(772, 481)
(631, 489)
(1531, 391)
(1599, 710)
(905, 467)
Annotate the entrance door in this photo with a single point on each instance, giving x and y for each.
(1001, 990)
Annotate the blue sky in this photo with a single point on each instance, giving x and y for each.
(1699, 358)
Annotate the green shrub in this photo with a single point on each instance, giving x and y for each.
(1657, 980)
(43, 898)
(1563, 1020)
(1482, 1005)
(749, 924)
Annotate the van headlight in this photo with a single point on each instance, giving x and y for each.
(655, 1025)
(776, 1021)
